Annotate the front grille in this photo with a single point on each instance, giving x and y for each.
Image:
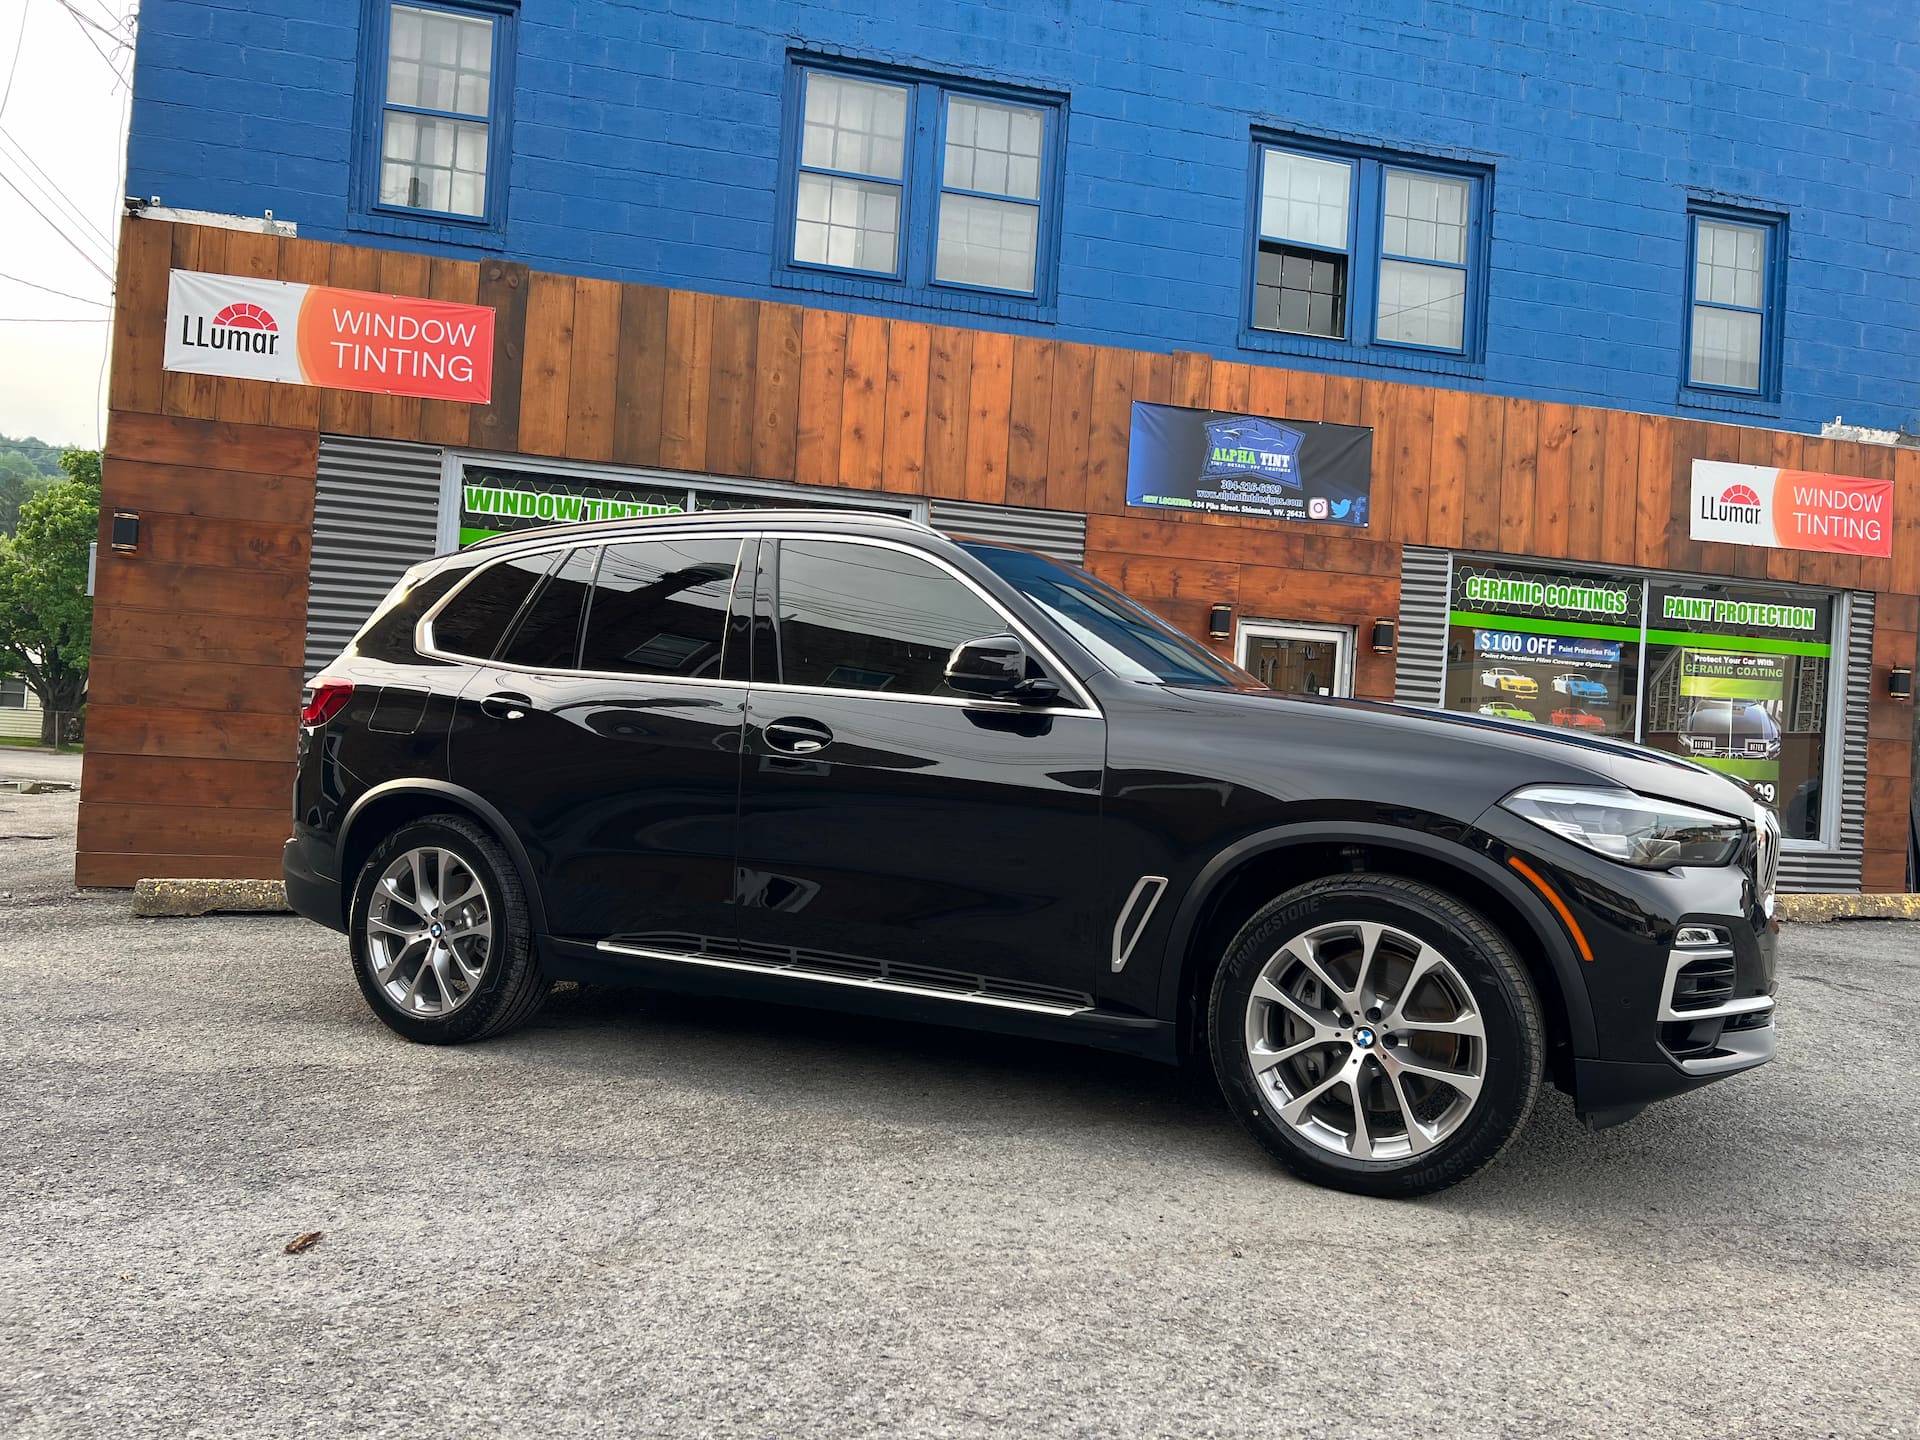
(1703, 984)
(1766, 859)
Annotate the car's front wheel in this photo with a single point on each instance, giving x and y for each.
(1376, 1035)
(442, 943)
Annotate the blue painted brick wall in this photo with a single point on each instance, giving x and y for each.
(646, 143)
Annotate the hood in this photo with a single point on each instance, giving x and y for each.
(1526, 754)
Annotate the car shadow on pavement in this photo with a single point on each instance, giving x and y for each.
(929, 1075)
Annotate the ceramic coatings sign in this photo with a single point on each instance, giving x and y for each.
(1225, 464)
(295, 334)
(1791, 509)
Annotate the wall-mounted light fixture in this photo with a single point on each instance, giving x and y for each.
(125, 536)
(1900, 683)
(1383, 637)
(1220, 622)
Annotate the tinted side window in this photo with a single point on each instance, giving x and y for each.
(863, 617)
(476, 619)
(548, 636)
(660, 607)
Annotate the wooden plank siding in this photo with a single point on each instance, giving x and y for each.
(199, 634)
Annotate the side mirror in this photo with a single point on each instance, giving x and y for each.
(996, 669)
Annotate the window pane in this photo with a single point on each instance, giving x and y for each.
(1729, 265)
(859, 617)
(855, 125)
(439, 61)
(854, 224)
(1726, 348)
(13, 694)
(1422, 305)
(1304, 199)
(1301, 291)
(429, 164)
(1516, 665)
(1425, 217)
(987, 242)
(995, 148)
(476, 618)
(660, 607)
(1745, 710)
(548, 636)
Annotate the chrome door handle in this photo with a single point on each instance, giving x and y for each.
(796, 735)
(506, 705)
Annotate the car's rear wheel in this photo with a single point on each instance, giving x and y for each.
(442, 944)
(1376, 1035)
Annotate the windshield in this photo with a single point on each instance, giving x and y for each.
(1130, 641)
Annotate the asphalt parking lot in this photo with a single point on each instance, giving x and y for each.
(700, 1219)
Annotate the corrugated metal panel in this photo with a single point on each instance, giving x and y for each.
(376, 511)
(1059, 533)
(1420, 659)
(1839, 870)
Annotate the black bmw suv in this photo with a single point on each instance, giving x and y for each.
(855, 764)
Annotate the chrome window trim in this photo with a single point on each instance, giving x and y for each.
(423, 627)
(1014, 623)
(1086, 708)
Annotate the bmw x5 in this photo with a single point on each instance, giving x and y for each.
(853, 763)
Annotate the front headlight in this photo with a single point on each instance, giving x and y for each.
(1629, 827)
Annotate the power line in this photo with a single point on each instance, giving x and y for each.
(53, 320)
(88, 27)
(63, 294)
(74, 244)
(46, 185)
(19, 44)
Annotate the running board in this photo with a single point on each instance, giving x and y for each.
(791, 971)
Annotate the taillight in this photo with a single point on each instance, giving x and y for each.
(323, 700)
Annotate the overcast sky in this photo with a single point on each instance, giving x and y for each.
(62, 128)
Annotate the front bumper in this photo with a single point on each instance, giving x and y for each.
(1681, 985)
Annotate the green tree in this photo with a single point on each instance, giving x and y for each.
(46, 615)
(19, 483)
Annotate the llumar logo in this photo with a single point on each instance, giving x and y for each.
(1737, 503)
(239, 326)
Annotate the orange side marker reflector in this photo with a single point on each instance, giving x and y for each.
(1559, 905)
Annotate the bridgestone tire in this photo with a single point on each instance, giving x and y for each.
(512, 985)
(1480, 955)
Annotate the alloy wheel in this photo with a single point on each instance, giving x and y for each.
(1365, 1041)
(429, 931)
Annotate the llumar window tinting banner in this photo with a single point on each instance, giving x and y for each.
(1222, 463)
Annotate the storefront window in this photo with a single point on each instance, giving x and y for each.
(1733, 676)
(495, 499)
(1737, 679)
(1549, 647)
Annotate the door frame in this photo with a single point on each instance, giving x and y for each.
(1345, 637)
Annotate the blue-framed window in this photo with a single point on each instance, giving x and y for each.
(437, 85)
(941, 190)
(1366, 253)
(1735, 290)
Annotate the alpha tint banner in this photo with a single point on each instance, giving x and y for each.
(1227, 464)
(294, 334)
(1791, 509)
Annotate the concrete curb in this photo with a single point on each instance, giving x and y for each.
(155, 898)
(1812, 909)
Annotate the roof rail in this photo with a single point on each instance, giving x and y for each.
(711, 517)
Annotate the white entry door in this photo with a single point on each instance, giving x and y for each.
(1299, 659)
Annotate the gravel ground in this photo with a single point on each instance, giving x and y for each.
(680, 1218)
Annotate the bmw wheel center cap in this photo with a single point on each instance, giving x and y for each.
(1363, 1037)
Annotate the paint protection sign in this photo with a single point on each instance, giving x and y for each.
(293, 334)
